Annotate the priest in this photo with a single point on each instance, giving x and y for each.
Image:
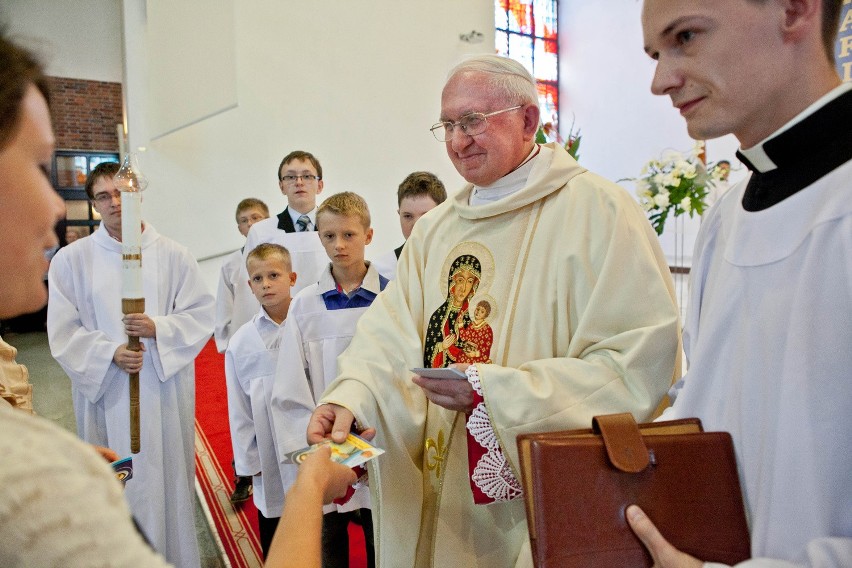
(88, 337)
(583, 322)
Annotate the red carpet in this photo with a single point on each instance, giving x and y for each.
(237, 528)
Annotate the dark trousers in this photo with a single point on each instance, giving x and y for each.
(335, 537)
(267, 531)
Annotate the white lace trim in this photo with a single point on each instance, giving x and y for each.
(473, 378)
(492, 474)
(362, 481)
(480, 427)
(494, 477)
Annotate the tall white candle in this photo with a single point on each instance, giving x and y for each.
(131, 244)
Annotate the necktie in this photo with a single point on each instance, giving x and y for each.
(303, 222)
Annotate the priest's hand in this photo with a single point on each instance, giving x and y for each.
(127, 360)
(139, 325)
(662, 552)
(335, 422)
(452, 394)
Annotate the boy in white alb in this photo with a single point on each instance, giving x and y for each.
(230, 313)
(249, 212)
(249, 370)
(319, 327)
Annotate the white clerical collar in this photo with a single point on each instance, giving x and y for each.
(294, 215)
(510, 183)
(758, 156)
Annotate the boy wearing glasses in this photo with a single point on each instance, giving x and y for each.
(300, 180)
(88, 337)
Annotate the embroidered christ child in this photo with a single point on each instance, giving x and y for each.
(476, 338)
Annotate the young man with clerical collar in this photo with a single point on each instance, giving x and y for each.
(768, 321)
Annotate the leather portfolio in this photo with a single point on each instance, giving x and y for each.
(578, 484)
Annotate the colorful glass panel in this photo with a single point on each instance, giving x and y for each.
(526, 31)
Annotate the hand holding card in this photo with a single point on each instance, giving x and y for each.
(445, 373)
(353, 452)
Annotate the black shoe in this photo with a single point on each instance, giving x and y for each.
(242, 490)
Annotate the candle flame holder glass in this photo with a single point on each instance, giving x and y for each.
(130, 176)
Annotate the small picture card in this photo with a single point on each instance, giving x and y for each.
(440, 373)
(353, 452)
(123, 469)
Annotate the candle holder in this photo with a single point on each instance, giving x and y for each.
(131, 182)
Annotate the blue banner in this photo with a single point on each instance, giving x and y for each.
(843, 49)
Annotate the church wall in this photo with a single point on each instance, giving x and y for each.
(357, 84)
(80, 40)
(605, 79)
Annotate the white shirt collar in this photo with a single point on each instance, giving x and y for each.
(511, 183)
(370, 283)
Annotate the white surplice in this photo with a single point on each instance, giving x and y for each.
(312, 339)
(229, 312)
(249, 371)
(84, 330)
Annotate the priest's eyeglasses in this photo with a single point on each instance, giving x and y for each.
(292, 179)
(470, 124)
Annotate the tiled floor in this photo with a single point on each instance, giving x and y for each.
(52, 400)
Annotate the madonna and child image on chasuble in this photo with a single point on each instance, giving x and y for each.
(460, 330)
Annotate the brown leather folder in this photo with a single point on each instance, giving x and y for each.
(578, 483)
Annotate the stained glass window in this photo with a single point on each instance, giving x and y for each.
(525, 30)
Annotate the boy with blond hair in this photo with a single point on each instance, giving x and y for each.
(230, 315)
(249, 212)
(249, 371)
(320, 325)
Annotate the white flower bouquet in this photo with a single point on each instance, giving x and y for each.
(673, 185)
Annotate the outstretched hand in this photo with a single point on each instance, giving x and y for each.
(332, 478)
(662, 552)
(335, 422)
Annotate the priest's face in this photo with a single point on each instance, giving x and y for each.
(723, 64)
(30, 208)
(484, 158)
(107, 202)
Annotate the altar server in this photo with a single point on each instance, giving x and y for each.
(88, 337)
(769, 320)
(300, 180)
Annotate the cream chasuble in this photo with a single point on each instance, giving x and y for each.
(582, 321)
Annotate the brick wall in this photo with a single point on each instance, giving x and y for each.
(85, 114)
